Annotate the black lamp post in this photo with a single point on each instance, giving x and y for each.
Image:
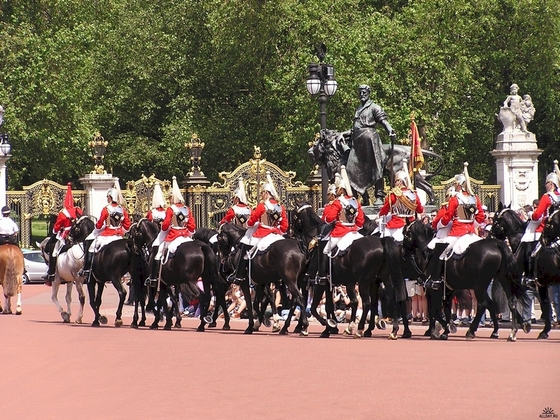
(5, 149)
(321, 83)
(99, 145)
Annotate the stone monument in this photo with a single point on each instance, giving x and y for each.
(516, 151)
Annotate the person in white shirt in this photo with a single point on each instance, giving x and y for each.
(8, 228)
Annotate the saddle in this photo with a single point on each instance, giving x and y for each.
(8, 239)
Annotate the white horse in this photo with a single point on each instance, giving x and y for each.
(67, 266)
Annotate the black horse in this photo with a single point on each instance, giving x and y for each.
(417, 235)
(283, 261)
(485, 260)
(507, 224)
(109, 264)
(191, 261)
(368, 262)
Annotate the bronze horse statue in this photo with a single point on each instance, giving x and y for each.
(331, 148)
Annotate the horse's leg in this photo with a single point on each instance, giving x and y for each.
(142, 292)
(546, 311)
(366, 306)
(351, 292)
(318, 292)
(117, 283)
(174, 296)
(95, 290)
(373, 294)
(18, 303)
(69, 287)
(54, 298)
(158, 304)
(204, 304)
(247, 293)
(81, 299)
(404, 314)
(480, 294)
(494, 317)
(297, 300)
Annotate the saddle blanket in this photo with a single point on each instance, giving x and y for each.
(102, 241)
(264, 244)
(458, 245)
(341, 244)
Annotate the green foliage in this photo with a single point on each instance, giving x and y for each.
(148, 75)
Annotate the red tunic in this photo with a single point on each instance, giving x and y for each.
(230, 214)
(65, 219)
(441, 212)
(542, 209)
(104, 222)
(460, 228)
(397, 221)
(188, 228)
(259, 215)
(332, 212)
(150, 215)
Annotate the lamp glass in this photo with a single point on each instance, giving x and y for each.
(330, 87)
(313, 85)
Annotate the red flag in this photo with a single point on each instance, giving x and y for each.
(416, 156)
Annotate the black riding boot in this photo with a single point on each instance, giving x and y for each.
(241, 271)
(52, 269)
(530, 277)
(88, 260)
(435, 267)
(323, 269)
(156, 264)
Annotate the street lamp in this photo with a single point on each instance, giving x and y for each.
(99, 145)
(322, 83)
(5, 149)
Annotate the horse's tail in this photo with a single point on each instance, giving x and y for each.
(510, 275)
(13, 271)
(393, 256)
(210, 270)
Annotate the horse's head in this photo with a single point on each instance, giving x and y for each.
(416, 236)
(551, 231)
(329, 150)
(506, 223)
(229, 236)
(80, 229)
(305, 222)
(143, 232)
(43, 245)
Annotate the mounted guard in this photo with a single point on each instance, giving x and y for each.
(401, 206)
(239, 212)
(64, 221)
(267, 224)
(178, 227)
(112, 224)
(464, 213)
(347, 216)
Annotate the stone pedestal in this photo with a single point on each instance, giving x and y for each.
(516, 155)
(96, 186)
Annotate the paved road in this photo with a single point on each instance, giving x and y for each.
(52, 370)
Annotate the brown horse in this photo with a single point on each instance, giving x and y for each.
(11, 275)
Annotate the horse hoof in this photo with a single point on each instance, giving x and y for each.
(359, 334)
(18, 312)
(226, 328)
(407, 334)
(283, 331)
(212, 325)
(392, 336)
(542, 336)
(177, 325)
(78, 321)
(428, 333)
(118, 323)
(248, 331)
(256, 328)
(434, 337)
(526, 327)
(154, 326)
(167, 327)
(443, 337)
(134, 325)
(494, 335)
(65, 317)
(200, 329)
(303, 333)
(103, 319)
(142, 324)
(95, 324)
(512, 338)
(470, 335)
(277, 329)
(367, 333)
(297, 329)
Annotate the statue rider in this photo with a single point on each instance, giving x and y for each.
(367, 158)
(64, 221)
(267, 224)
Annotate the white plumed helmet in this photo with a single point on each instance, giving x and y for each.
(332, 189)
(157, 197)
(115, 193)
(176, 196)
(240, 191)
(269, 186)
(463, 179)
(450, 192)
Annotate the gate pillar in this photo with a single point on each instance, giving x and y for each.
(96, 186)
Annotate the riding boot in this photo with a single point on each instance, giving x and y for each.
(530, 277)
(50, 272)
(88, 260)
(154, 276)
(323, 268)
(240, 272)
(435, 267)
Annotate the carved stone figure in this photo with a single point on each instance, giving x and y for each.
(516, 112)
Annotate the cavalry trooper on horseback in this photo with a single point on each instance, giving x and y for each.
(535, 227)
(347, 216)
(64, 221)
(400, 206)
(464, 213)
(239, 212)
(267, 224)
(157, 215)
(178, 227)
(111, 225)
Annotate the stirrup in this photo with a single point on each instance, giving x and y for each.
(149, 282)
(530, 283)
(84, 272)
(322, 280)
(433, 284)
